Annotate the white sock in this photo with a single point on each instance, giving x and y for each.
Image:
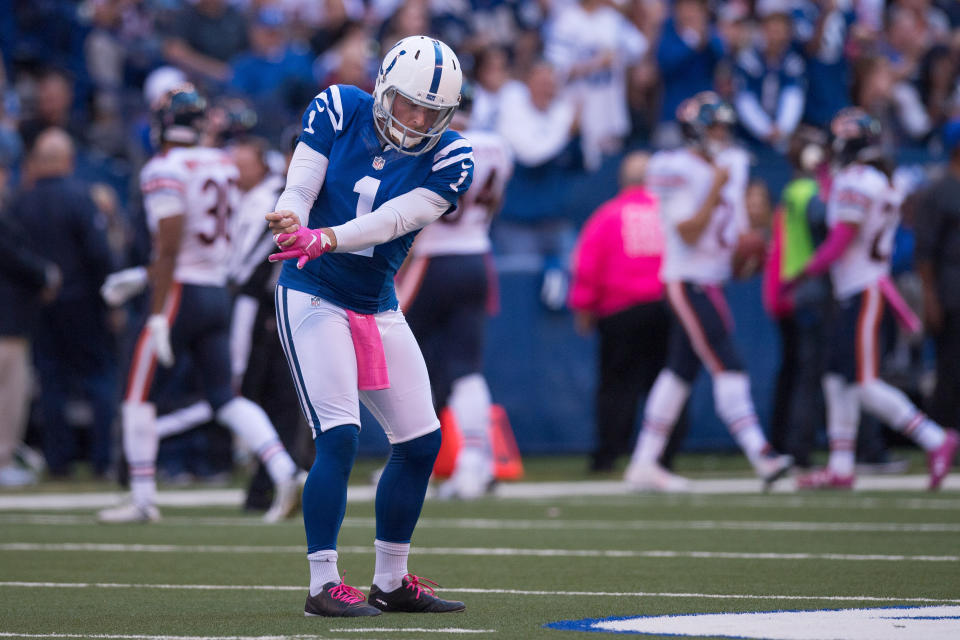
(731, 397)
(250, 423)
(650, 443)
(928, 434)
(323, 569)
(470, 403)
(184, 419)
(664, 404)
(140, 447)
(843, 419)
(391, 564)
(894, 407)
(278, 462)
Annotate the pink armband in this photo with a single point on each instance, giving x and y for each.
(901, 310)
(832, 248)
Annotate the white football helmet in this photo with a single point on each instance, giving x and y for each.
(426, 72)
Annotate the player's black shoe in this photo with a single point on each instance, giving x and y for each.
(414, 595)
(338, 600)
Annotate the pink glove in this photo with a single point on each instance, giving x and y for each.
(308, 245)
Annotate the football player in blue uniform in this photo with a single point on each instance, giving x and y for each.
(367, 174)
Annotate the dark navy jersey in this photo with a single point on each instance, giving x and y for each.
(360, 177)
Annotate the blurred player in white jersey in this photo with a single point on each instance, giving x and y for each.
(447, 291)
(702, 192)
(189, 195)
(863, 211)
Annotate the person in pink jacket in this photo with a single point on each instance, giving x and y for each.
(616, 288)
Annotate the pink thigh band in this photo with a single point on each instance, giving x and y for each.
(371, 360)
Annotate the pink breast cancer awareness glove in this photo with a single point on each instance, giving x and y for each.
(309, 244)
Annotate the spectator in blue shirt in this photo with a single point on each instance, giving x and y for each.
(822, 26)
(687, 57)
(770, 79)
(272, 62)
(275, 74)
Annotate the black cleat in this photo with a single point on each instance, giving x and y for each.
(338, 600)
(413, 596)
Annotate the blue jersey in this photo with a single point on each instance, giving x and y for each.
(360, 177)
(828, 68)
(767, 80)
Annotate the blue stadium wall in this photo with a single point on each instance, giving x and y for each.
(544, 374)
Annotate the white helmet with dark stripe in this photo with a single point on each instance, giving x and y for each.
(426, 72)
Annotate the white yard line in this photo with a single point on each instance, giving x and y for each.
(538, 524)
(519, 490)
(473, 590)
(469, 551)
(98, 500)
(844, 501)
(711, 486)
(413, 630)
(834, 501)
(114, 636)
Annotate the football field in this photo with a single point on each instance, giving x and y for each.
(543, 560)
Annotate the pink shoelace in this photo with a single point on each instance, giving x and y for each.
(416, 582)
(345, 593)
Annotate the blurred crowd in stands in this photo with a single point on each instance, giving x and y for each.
(570, 84)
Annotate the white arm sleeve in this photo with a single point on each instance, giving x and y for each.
(913, 114)
(752, 115)
(394, 218)
(305, 177)
(791, 109)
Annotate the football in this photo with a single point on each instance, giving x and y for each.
(749, 254)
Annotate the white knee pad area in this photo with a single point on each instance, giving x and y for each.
(248, 421)
(731, 395)
(667, 397)
(843, 407)
(470, 403)
(887, 403)
(139, 431)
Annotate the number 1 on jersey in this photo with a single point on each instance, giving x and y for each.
(366, 187)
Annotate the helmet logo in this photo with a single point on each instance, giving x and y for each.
(437, 68)
(394, 61)
(378, 163)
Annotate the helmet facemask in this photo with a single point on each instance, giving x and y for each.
(706, 122)
(856, 138)
(403, 138)
(178, 117)
(716, 139)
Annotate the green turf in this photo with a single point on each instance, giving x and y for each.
(633, 524)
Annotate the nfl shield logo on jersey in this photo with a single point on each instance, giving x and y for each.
(378, 163)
